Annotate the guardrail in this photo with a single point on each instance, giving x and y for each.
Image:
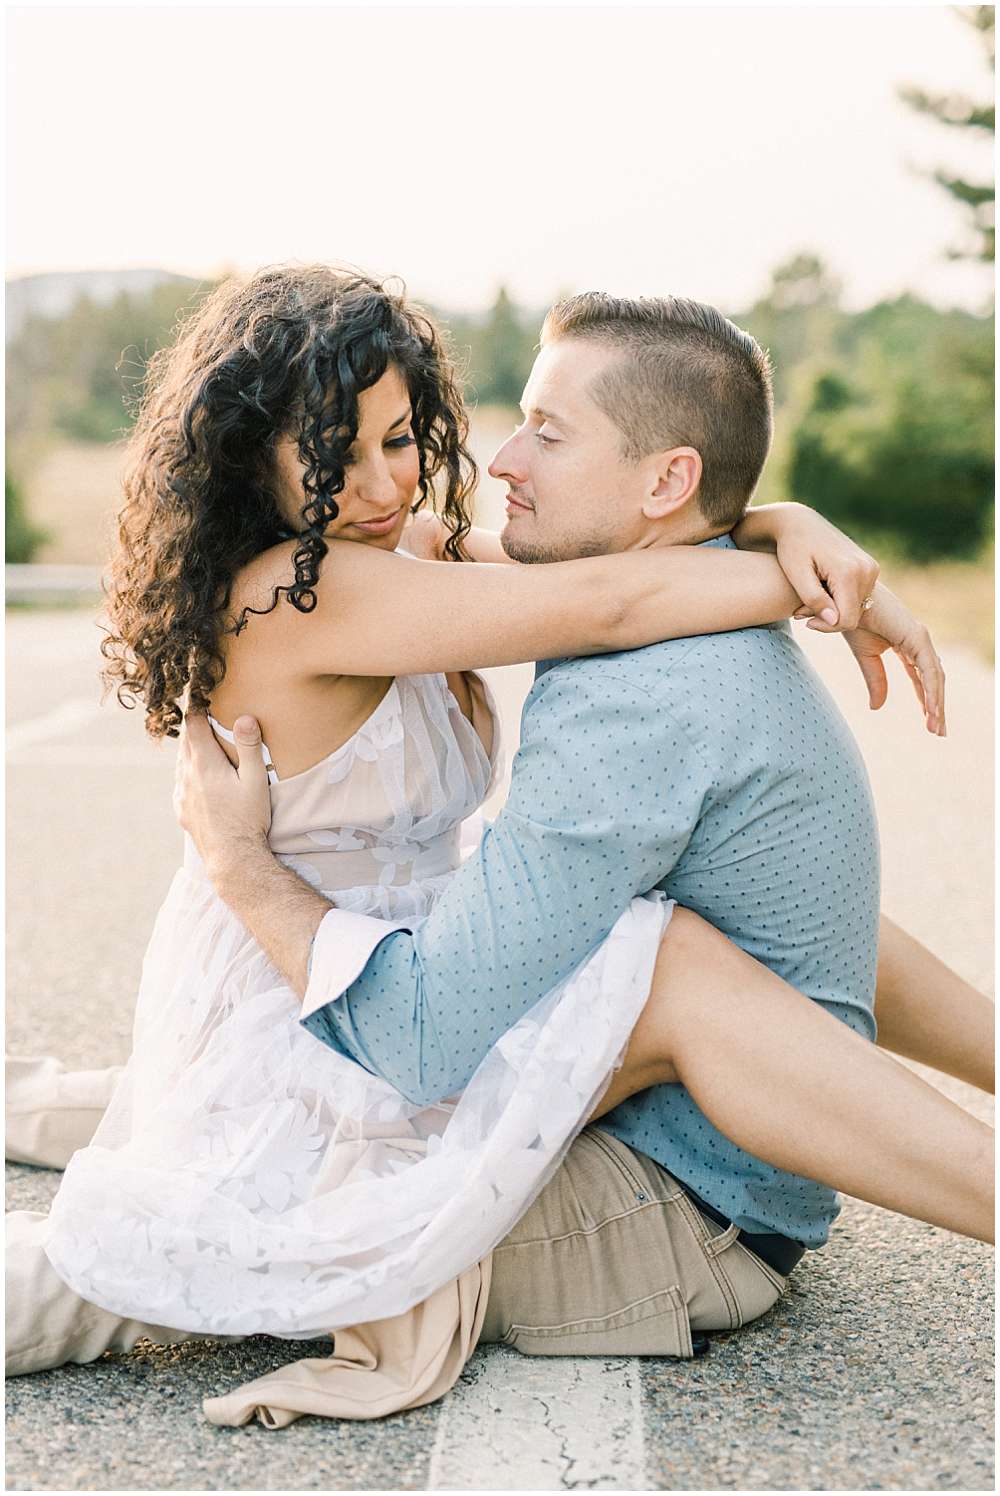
(78, 586)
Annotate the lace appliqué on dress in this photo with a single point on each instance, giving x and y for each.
(248, 1179)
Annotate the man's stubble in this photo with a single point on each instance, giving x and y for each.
(531, 552)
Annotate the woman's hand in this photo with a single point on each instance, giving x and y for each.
(831, 574)
(835, 579)
(888, 624)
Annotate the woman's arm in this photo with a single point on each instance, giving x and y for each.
(484, 545)
(839, 583)
(425, 536)
(831, 574)
(381, 614)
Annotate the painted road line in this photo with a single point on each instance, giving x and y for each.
(68, 717)
(532, 1423)
(85, 756)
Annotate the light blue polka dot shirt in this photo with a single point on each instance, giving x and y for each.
(716, 768)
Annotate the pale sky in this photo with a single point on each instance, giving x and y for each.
(642, 149)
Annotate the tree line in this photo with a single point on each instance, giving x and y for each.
(884, 416)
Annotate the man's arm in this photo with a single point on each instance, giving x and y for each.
(605, 792)
(924, 1010)
(281, 911)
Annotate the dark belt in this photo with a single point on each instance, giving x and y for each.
(779, 1252)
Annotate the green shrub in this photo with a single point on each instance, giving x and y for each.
(22, 537)
(900, 444)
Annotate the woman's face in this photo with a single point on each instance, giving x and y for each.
(383, 469)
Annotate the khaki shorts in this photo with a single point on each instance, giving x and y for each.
(614, 1259)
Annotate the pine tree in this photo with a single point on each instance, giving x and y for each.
(964, 113)
(503, 351)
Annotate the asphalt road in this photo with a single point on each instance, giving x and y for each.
(875, 1370)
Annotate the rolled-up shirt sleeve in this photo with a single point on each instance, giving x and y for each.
(605, 793)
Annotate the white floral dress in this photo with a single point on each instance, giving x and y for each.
(248, 1179)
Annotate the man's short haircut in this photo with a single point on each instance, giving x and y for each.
(687, 377)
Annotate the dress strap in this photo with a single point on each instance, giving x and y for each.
(225, 732)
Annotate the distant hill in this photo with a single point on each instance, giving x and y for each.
(54, 293)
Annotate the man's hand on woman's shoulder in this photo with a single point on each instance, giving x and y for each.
(226, 810)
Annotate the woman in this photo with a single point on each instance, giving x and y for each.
(245, 1179)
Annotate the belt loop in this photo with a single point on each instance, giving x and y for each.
(716, 1244)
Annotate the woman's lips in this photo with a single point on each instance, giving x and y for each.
(378, 526)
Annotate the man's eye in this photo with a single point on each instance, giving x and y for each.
(546, 441)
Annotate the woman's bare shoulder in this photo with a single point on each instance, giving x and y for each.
(254, 583)
(351, 578)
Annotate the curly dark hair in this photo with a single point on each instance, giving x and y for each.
(285, 352)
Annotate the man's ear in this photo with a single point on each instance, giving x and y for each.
(674, 479)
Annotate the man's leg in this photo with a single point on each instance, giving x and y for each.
(52, 1111)
(614, 1259)
(926, 1011)
(47, 1323)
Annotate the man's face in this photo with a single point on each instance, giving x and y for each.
(571, 493)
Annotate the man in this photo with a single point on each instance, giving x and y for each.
(714, 768)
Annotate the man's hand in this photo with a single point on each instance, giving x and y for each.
(890, 625)
(227, 813)
(224, 810)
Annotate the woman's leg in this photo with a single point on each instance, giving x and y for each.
(52, 1111)
(792, 1085)
(927, 1013)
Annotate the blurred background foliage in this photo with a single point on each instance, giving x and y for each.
(22, 538)
(884, 414)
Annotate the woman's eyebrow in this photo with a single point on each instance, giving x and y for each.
(400, 420)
